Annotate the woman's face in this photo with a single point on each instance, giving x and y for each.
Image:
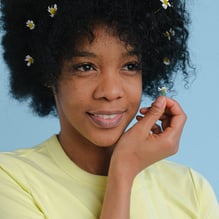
(99, 90)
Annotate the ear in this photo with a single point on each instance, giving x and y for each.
(52, 88)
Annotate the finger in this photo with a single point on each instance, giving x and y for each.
(153, 114)
(172, 107)
(144, 110)
(156, 129)
(176, 112)
(164, 116)
(165, 120)
(139, 118)
(175, 119)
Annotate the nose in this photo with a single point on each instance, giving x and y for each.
(109, 87)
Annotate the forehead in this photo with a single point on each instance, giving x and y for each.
(101, 36)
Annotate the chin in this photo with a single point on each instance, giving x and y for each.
(107, 141)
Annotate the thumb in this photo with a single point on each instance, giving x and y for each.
(154, 113)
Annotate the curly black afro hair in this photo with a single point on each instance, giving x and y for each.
(155, 32)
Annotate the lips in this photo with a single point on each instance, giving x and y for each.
(106, 120)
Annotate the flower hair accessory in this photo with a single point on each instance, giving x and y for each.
(165, 4)
(29, 59)
(166, 61)
(163, 90)
(52, 10)
(30, 24)
(169, 33)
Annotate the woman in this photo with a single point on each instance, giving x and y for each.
(89, 62)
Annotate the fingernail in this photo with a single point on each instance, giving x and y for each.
(143, 110)
(160, 101)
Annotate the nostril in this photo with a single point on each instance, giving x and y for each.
(109, 89)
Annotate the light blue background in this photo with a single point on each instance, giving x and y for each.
(200, 140)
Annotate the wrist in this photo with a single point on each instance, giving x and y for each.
(121, 171)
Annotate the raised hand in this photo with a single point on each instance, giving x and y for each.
(142, 145)
(146, 142)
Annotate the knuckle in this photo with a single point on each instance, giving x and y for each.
(171, 146)
(185, 117)
(155, 111)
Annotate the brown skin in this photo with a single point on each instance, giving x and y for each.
(97, 95)
(137, 149)
(97, 81)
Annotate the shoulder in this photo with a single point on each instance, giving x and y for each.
(181, 181)
(21, 159)
(26, 152)
(173, 172)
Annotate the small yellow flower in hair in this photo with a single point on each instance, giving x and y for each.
(29, 60)
(52, 10)
(169, 33)
(166, 61)
(30, 24)
(165, 4)
(163, 90)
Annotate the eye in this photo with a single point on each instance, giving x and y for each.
(83, 67)
(132, 66)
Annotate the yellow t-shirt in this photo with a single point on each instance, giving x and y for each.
(43, 183)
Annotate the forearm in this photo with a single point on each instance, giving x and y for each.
(117, 197)
(137, 149)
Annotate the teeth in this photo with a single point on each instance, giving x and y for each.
(105, 116)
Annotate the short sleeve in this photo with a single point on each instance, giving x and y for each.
(208, 204)
(15, 201)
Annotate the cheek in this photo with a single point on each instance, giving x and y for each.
(68, 93)
(64, 99)
(136, 99)
(134, 90)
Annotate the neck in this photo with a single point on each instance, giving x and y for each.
(89, 157)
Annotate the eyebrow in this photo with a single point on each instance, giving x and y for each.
(132, 52)
(78, 53)
(83, 54)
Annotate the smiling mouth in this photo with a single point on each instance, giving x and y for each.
(106, 120)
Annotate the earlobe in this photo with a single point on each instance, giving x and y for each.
(52, 88)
